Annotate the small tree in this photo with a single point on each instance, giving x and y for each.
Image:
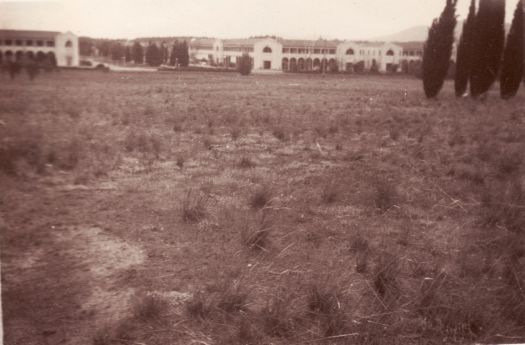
(512, 64)
(245, 64)
(137, 53)
(438, 50)
(489, 38)
(464, 55)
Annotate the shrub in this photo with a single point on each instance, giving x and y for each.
(245, 65)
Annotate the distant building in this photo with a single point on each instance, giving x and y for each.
(44, 46)
(298, 55)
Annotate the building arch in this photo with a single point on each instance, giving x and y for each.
(316, 64)
(300, 64)
(293, 64)
(332, 65)
(285, 64)
(19, 56)
(40, 56)
(267, 49)
(309, 64)
(390, 52)
(51, 59)
(8, 56)
(69, 44)
(30, 56)
(350, 51)
(324, 64)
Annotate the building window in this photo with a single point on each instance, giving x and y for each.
(350, 51)
(50, 43)
(390, 52)
(40, 43)
(69, 44)
(286, 50)
(302, 50)
(18, 43)
(29, 43)
(267, 65)
(317, 51)
(267, 50)
(293, 50)
(8, 42)
(331, 51)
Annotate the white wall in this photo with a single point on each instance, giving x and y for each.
(275, 57)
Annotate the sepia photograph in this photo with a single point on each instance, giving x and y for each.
(249, 172)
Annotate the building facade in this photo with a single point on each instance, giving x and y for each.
(60, 49)
(299, 55)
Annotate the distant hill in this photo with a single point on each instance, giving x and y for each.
(419, 34)
(415, 33)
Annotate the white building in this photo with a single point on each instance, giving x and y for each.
(43, 46)
(298, 55)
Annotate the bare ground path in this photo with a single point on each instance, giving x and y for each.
(59, 278)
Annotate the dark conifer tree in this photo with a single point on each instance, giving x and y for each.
(245, 64)
(184, 57)
(153, 57)
(129, 57)
(464, 55)
(138, 53)
(489, 38)
(174, 54)
(512, 64)
(438, 50)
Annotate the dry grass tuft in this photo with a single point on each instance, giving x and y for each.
(149, 308)
(246, 163)
(261, 198)
(194, 207)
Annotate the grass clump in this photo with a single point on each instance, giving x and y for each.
(255, 234)
(194, 207)
(246, 163)
(149, 308)
(325, 302)
(261, 198)
(385, 195)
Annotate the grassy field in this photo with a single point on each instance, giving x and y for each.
(194, 208)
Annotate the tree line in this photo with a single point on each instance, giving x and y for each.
(483, 54)
(153, 54)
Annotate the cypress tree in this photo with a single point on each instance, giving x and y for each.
(184, 57)
(512, 64)
(153, 57)
(464, 55)
(438, 50)
(489, 38)
(138, 53)
(174, 54)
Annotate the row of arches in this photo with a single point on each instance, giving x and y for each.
(307, 65)
(27, 57)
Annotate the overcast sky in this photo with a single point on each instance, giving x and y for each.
(343, 19)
